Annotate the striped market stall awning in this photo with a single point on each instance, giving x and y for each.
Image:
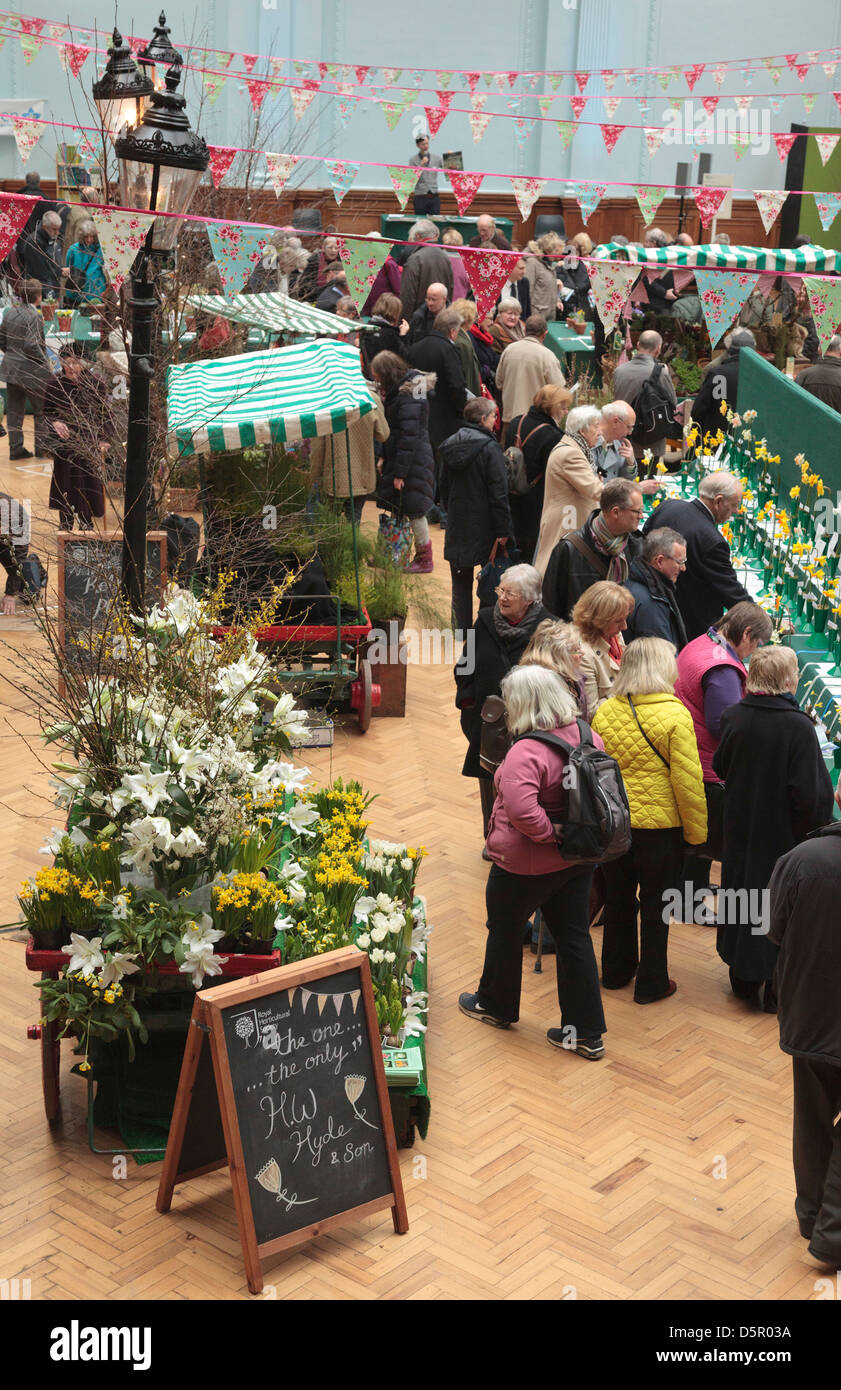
(276, 313)
(808, 260)
(272, 397)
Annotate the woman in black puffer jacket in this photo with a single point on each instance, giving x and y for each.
(407, 466)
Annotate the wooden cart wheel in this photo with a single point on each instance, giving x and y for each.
(366, 706)
(50, 1066)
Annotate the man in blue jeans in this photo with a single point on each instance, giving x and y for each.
(426, 198)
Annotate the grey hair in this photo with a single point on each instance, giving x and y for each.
(661, 542)
(86, 227)
(423, 230)
(582, 416)
(509, 303)
(51, 217)
(655, 236)
(720, 239)
(720, 484)
(527, 579)
(742, 337)
(536, 698)
(834, 344)
(616, 410)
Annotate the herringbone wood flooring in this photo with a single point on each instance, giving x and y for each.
(543, 1176)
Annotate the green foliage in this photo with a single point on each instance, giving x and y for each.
(689, 375)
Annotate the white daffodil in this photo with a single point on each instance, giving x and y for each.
(201, 933)
(300, 817)
(120, 908)
(187, 843)
(147, 787)
(284, 923)
(116, 966)
(416, 1006)
(85, 956)
(363, 908)
(296, 892)
(292, 871)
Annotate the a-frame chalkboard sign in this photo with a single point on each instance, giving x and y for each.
(283, 1081)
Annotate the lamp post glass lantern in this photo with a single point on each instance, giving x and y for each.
(159, 51)
(161, 161)
(122, 90)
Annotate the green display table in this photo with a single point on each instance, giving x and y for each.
(564, 341)
(396, 226)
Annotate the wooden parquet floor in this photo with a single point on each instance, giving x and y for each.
(663, 1172)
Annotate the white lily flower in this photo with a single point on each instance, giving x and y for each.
(187, 843)
(200, 961)
(292, 871)
(85, 956)
(201, 933)
(52, 845)
(192, 763)
(284, 923)
(118, 964)
(363, 908)
(296, 892)
(300, 817)
(147, 787)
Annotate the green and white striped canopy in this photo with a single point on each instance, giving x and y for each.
(271, 397)
(276, 313)
(808, 260)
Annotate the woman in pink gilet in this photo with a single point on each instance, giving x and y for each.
(711, 677)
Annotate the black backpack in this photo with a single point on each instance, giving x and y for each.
(182, 547)
(597, 826)
(655, 418)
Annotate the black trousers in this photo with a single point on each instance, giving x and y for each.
(698, 860)
(651, 867)
(427, 204)
(817, 1155)
(462, 582)
(563, 897)
(15, 406)
(486, 798)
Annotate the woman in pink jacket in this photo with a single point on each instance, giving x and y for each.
(528, 872)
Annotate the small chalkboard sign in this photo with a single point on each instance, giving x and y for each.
(283, 1081)
(89, 573)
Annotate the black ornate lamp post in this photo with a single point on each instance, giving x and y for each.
(159, 51)
(161, 161)
(122, 90)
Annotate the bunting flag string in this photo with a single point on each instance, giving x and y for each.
(611, 286)
(221, 159)
(121, 235)
(487, 272)
(280, 167)
(722, 298)
(27, 133)
(14, 214)
(769, 201)
(465, 187)
(825, 301)
(708, 201)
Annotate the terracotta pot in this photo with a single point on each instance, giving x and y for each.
(390, 675)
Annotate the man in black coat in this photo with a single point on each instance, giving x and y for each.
(721, 383)
(581, 559)
(474, 489)
(708, 586)
(43, 254)
(438, 353)
(824, 379)
(651, 580)
(805, 891)
(422, 322)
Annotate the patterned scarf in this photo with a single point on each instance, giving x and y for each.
(612, 546)
(508, 632)
(584, 447)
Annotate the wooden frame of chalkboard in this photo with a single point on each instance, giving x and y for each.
(271, 1053)
(156, 571)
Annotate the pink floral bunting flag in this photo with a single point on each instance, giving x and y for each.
(692, 74)
(708, 201)
(653, 138)
(803, 70)
(444, 78)
(527, 190)
(363, 260)
(837, 96)
(14, 212)
(722, 297)
(479, 122)
(361, 74)
(743, 103)
(472, 79)
(390, 75)
(249, 61)
(829, 69)
(280, 166)
(709, 104)
(566, 130)
(32, 26)
(611, 105)
(608, 78)
(769, 201)
(435, 117)
(825, 299)
(577, 104)
(74, 55)
(121, 235)
(610, 134)
(611, 285)
(588, 196)
(221, 159)
(342, 174)
(300, 100)
(784, 144)
(648, 199)
(826, 144)
(581, 80)
(465, 187)
(719, 73)
(27, 132)
(487, 272)
(403, 181)
(236, 250)
(828, 205)
(258, 88)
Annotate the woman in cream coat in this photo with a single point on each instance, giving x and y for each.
(573, 487)
(599, 617)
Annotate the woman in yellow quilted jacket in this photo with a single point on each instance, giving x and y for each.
(650, 733)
